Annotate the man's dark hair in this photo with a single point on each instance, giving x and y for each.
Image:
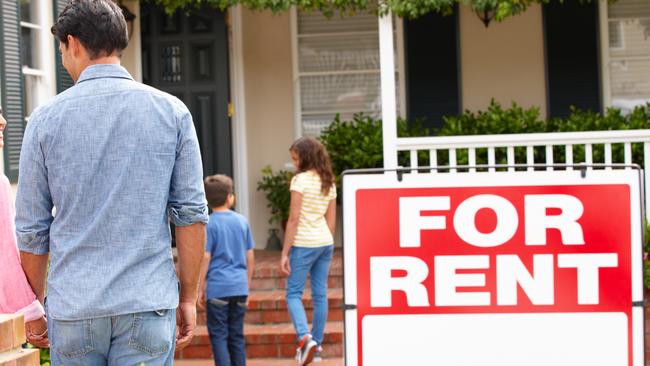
(98, 24)
(217, 189)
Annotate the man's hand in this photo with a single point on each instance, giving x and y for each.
(36, 332)
(185, 324)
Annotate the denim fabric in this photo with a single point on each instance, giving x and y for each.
(226, 329)
(316, 263)
(130, 339)
(118, 160)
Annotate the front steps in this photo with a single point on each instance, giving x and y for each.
(270, 337)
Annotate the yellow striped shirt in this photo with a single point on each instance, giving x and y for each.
(312, 228)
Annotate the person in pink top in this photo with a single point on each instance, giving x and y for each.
(16, 295)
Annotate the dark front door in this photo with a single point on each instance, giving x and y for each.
(186, 55)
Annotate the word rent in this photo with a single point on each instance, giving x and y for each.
(510, 272)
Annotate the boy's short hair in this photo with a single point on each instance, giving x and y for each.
(217, 189)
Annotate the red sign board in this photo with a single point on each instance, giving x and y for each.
(451, 272)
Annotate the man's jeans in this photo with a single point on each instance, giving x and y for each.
(316, 262)
(123, 340)
(226, 329)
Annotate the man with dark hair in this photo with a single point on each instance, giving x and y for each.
(118, 160)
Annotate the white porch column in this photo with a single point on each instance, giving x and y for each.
(388, 98)
(238, 93)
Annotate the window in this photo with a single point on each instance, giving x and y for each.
(34, 41)
(616, 35)
(628, 53)
(336, 68)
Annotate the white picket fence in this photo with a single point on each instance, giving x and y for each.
(490, 144)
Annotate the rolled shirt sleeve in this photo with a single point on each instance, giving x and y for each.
(187, 204)
(33, 199)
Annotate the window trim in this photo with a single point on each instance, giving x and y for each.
(606, 59)
(44, 54)
(296, 74)
(619, 25)
(603, 18)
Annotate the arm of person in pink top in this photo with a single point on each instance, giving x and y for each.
(16, 294)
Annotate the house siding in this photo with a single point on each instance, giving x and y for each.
(269, 104)
(504, 61)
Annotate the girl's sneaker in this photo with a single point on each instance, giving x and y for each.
(306, 349)
(318, 354)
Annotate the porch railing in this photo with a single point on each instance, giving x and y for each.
(460, 152)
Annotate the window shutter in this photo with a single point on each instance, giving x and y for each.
(432, 80)
(63, 79)
(572, 57)
(12, 86)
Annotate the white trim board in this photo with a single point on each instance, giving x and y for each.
(238, 120)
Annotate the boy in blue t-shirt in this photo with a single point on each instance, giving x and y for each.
(226, 273)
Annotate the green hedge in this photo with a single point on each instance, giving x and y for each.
(497, 120)
(358, 143)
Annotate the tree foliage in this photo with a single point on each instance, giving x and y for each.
(403, 8)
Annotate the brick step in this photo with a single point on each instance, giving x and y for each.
(271, 307)
(280, 283)
(263, 362)
(267, 341)
(267, 264)
(274, 299)
(282, 316)
(20, 357)
(268, 276)
(12, 336)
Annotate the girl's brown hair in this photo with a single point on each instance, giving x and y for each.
(313, 155)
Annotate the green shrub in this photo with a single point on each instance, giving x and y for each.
(275, 186)
(497, 120)
(45, 356)
(357, 144)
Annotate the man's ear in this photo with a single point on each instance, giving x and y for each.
(74, 44)
(70, 39)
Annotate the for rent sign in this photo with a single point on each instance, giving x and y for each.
(502, 269)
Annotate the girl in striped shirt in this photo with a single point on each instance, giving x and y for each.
(309, 241)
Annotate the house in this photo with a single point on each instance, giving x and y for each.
(254, 81)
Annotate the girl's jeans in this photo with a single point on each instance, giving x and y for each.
(316, 262)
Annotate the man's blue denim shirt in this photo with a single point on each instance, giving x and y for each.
(118, 160)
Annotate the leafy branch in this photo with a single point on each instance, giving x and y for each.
(404, 8)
